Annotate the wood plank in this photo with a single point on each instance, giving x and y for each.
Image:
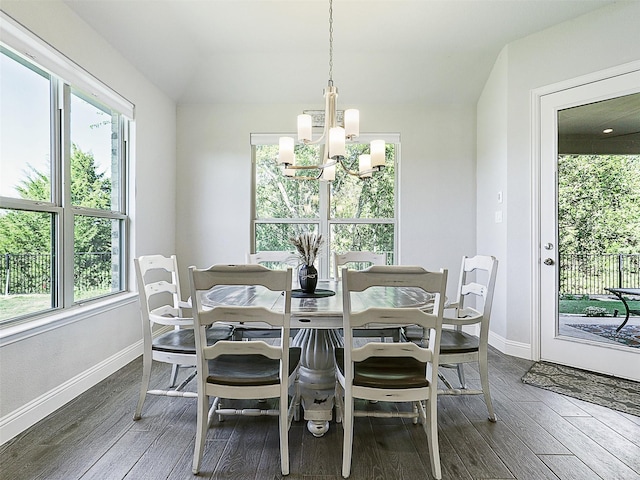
(515, 454)
(400, 455)
(480, 459)
(162, 455)
(323, 456)
(610, 440)
(452, 466)
(241, 456)
(530, 432)
(568, 467)
(587, 450)
(618, 421)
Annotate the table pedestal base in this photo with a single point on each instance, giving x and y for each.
(317, 380)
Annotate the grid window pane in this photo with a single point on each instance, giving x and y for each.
(25, 130)
(370, 198)
(97, 262)
(370, 237)
(28, 265)
(277, 196)
(95, 179)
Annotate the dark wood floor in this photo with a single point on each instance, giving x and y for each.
(539, 435)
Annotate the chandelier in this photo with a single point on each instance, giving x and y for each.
(333, 139)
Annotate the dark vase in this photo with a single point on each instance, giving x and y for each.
(308, 276)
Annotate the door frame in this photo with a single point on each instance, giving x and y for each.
(536, 162)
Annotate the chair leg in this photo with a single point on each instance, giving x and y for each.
(347, 425)
(144, 384)
(202, 424)
(431, 429)
(174, 374)
(284, 432)
(483, 366)
(460, 368)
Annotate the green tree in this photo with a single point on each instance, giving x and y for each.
(30, 232)
(599, 203)
(280, 197)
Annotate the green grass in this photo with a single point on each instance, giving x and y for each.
(13, 306)
(578, 306)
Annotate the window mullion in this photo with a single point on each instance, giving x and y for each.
(66, 241)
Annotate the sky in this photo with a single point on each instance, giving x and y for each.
(25, 126)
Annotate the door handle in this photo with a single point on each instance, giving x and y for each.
(549, 261)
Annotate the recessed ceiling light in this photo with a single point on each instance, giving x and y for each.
(607, 130)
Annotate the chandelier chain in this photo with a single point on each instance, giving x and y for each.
(330, 42)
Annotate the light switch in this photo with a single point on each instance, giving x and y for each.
(499, 216)
(499, 197)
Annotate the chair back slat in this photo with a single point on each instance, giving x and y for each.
(475, 289)
(357, 257)
(159, 290)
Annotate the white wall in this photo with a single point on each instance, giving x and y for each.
(492, 178)
(596, 41)
(42, 371)
(437, 182)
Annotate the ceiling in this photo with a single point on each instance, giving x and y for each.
(277, 51)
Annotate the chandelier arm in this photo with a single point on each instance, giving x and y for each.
(315, 142)
(346, 169)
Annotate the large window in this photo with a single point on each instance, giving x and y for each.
(352, 214)
(63, 211)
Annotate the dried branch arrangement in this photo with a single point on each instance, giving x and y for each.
(307, 247)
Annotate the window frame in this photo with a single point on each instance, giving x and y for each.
(66, 77)
(324, 221)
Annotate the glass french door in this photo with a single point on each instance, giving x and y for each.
(590, 224)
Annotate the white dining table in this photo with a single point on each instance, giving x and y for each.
(318, 319)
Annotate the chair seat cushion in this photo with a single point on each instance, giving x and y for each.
(249, 370)
(454, 341)
(183, 341)
(386, 372)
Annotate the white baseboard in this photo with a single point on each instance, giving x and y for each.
(29, 414)
(509, 347)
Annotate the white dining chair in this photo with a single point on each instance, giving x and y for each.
(244, 370)
(275, 260)
(359, 260)
(390, 372)
(160, 305)
(471, 308)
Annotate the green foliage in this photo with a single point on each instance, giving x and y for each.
(278, 197)
(599, 203)
(31, 232)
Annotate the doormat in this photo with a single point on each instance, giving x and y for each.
(629, 335)
(611, 392)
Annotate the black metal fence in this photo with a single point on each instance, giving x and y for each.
(590, 274)
(29, 273)
(580, 274)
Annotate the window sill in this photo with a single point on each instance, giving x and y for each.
(31, 327)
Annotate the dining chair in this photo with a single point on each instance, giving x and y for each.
(160, 305)
(244, 370)
(390, 372)
(457, 347)
(276, 260)
(358, 261)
